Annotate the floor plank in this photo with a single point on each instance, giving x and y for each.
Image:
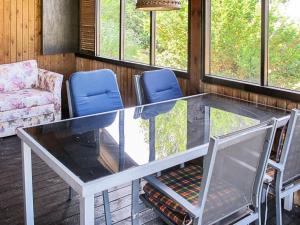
(51, 194)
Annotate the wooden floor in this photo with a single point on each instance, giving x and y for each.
(51, 193)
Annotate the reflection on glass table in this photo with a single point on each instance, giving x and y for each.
(127, 138)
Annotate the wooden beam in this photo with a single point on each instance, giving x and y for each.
(195, 47)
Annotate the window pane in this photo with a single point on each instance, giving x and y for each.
(235, 39)
(137, 34)
(172, 38)
(284, 44)
(109, 28)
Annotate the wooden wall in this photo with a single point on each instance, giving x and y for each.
(20, 37)
(124, 76)
(250, 96)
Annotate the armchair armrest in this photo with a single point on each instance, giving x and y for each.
(275, 165)
(52, 82)
(49, 81)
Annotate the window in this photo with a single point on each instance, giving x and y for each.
(172, 38)
(109, 28)
(284, 44)
(152, 38)
(235, 39)
(137, 34)
(254, 41)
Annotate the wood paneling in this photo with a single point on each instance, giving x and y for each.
(250, 96)
(20, 38)
(124, 77)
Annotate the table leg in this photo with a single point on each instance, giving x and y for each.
(27, 184)
(135, 209)
(87, 210)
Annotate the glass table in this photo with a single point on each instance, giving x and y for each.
(95, 153)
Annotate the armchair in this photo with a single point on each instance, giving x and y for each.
(28, 96)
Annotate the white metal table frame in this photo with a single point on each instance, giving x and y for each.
(88, 190)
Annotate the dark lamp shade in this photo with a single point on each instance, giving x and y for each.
(158, 5)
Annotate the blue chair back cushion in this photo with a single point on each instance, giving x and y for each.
(94, 92)
(160, 85)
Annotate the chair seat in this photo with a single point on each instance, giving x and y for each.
(186, 182)
(271, 173)
(25, 98)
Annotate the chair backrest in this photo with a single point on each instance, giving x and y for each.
(157, 85)
(291, 149)
(94, 92)
(234, 171)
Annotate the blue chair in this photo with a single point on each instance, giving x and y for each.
(91, 93)
(156, 86)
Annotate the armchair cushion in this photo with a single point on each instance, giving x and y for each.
(25, 98)
(17, 76)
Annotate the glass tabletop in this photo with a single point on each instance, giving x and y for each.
(96, 146)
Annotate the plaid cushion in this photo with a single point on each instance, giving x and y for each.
(186, 182)
(276, 151)
(271, 172)
(223, 197)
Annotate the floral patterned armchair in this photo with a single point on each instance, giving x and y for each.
(28, 96)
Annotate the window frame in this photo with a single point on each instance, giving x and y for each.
(262, 87)
(152, 39)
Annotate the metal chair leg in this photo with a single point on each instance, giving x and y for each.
(196, 221)
(278, 210)
(263, 195)
(106, 207)
(288, 202)
(258, 221)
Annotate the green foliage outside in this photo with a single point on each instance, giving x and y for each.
(284, 47)
(109, 28)
(235, 42)
(137, 34)
(172, 38)
(235, 39)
